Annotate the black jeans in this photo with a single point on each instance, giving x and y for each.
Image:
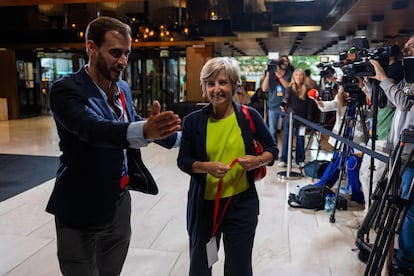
(96, 250)
(238, 229)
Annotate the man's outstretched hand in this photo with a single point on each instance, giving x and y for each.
(161, 124)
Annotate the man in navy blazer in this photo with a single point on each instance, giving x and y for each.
(97, 124)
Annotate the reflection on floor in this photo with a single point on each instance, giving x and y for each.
(288, 241)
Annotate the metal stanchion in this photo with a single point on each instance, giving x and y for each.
(289, 174)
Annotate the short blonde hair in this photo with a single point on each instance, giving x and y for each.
(214, 66)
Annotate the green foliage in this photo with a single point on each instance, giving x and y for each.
(306, 62)
(257, 64)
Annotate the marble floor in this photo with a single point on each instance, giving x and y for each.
(288, 241)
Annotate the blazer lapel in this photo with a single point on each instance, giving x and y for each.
(92, 94)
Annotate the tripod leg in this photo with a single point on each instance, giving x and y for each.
(332, 217)
(362, 241)
(384, 240)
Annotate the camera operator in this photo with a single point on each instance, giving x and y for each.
(401, 96)
(384, 116)
(337, 105)
(328, 88)
(276, 80)
(328, 84)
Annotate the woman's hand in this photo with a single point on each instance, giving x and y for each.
(250, 162)
(318, 102)
(215, 168)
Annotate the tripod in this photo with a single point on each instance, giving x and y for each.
(386, 214)
(348, 130)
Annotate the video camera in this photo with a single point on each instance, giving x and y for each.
(357, 58)
(273, 64)
(327, 69)
(356, 96)
(357, 64)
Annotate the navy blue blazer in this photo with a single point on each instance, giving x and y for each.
(92, 141)
(193, 148)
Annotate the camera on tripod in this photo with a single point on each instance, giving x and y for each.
(327, 69)
(357, 64)
(356, 96)
(358, 57)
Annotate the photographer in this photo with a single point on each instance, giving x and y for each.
(384, 116)
(401, 96)
(337, 105)
(328, 84)
(275, 82)
(328, 88)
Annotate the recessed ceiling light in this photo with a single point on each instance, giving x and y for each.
(298, 29)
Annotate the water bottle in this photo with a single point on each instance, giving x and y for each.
(332, 200)
(346, 192)
(297, 189)
(349, 190)
(328, 203)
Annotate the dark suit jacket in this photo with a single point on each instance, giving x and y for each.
(92, 142)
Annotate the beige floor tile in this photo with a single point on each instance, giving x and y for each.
(288, 241)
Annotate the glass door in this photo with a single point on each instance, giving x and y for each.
(152, 77)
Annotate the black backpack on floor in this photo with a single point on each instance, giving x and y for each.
(310, 197)
(316, 168)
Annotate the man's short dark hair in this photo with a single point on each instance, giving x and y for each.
(98, 27)
(307, 72)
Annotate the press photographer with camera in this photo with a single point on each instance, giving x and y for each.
(337, 105)
(277, 78)
(328, 83)
(401, 95)
(384, 116)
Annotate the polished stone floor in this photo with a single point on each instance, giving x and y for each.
(288, 241)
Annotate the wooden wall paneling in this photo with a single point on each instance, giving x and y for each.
(196, 57)
(8, 80)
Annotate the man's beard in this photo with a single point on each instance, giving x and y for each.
(102, 68)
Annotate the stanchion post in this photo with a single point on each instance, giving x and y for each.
(289, 174)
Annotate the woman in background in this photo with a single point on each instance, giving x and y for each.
(296, 101)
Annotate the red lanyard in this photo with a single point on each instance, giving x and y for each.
(124, 174)
(218, 196)
(123, 102)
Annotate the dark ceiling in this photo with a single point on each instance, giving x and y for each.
(249, 27)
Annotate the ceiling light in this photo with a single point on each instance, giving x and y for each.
(297, 29)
